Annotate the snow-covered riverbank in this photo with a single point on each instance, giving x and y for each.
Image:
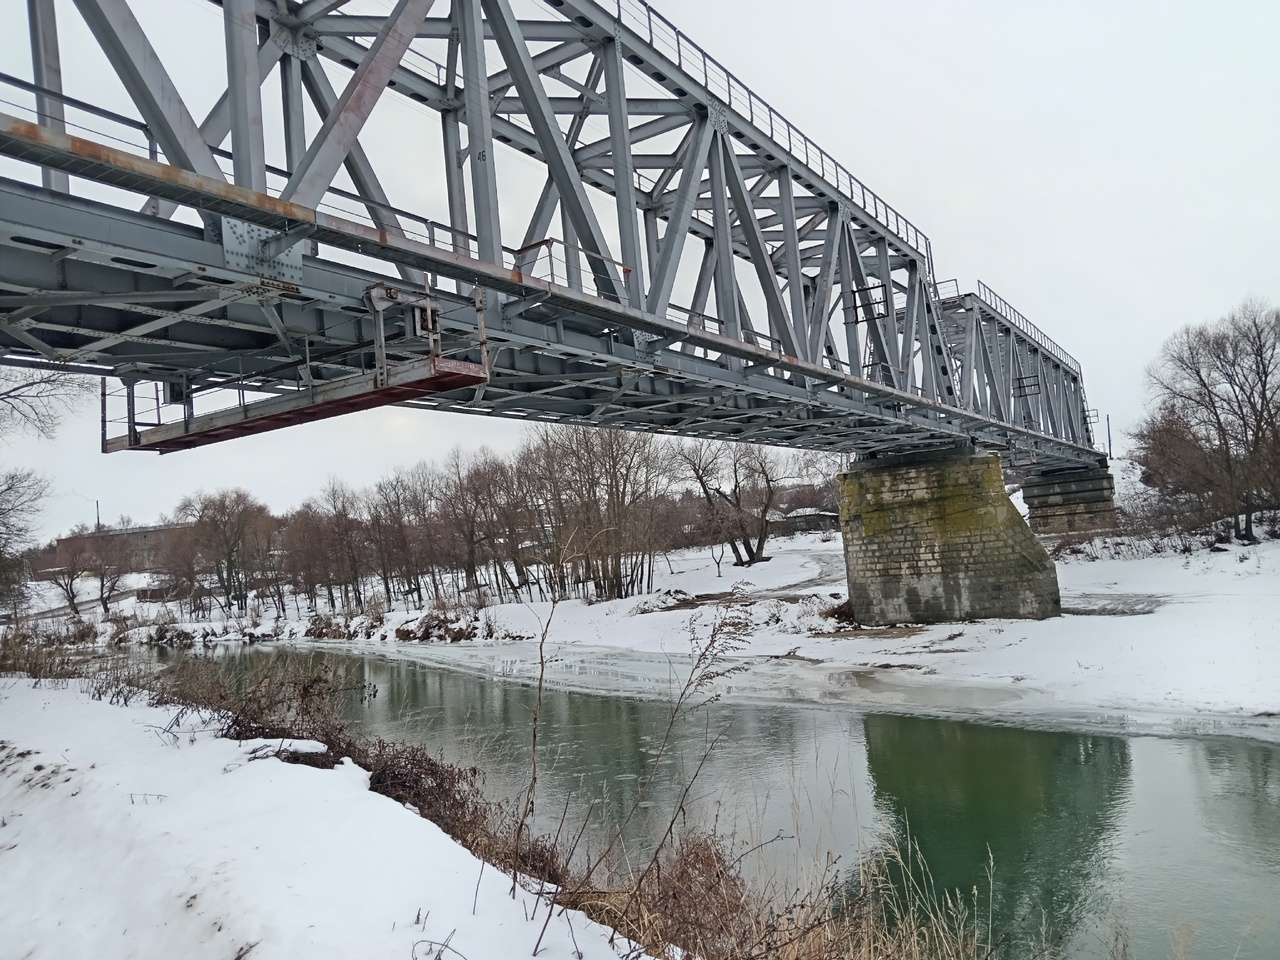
(1170, 642)
(120, 837)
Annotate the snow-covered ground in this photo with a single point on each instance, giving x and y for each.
(119, 838)
(1177, 642)
(1171, 642)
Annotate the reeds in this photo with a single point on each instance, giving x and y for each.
(687, 898)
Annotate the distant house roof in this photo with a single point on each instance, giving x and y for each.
(119, 531)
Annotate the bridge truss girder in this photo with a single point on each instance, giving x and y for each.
(826, 331)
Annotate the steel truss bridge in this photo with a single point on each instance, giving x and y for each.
(689, 262)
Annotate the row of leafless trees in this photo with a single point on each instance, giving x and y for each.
(31, 401)
(1211, 443)
(574, 512)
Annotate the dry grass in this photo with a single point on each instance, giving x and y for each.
(689, 895)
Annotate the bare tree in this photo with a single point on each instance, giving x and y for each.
(740, 484)
(21, 492)
(462, 509)
(603, 491)
(1215, 429)
(346, 537)
(183, 565)
(110, 556)
(36, 400)
(72, 568)
(31, 400)
(308, 563)
(232, 529)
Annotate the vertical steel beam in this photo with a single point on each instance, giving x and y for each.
(888, 324)
(244, 94)
(572, 262)
(848, 257)
(456, 189)
(1019, 403)
(907, 329)
(295, 130)
(930, 365)
(791, 247)
(1003, 359)
(1051, 378)
(987, 395)
(877, 343)
(991, 353)
(341, 128)
(969, 365)
(1075, 410)
(217, 122)
(623, 172)
(46, 71)
(650, 241)
(475, 94)
(726, 286)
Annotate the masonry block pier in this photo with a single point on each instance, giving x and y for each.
(1071, 501)
(933, 537)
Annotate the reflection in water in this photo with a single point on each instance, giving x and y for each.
(774, 772)
(1159, 832)
(1238, 788)
(1042, 806)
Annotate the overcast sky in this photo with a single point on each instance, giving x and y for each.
(1109, 168)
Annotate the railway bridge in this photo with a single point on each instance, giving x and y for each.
(245, 214)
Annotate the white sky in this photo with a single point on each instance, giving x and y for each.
(1110, 169)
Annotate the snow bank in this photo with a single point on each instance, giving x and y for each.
(119, 838)
(1173, 642)
(1178, 642)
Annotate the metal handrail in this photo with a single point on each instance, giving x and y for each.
(1016, 319)
(28, 87)
(665, 37)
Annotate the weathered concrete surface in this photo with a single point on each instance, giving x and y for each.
(1071, 501)
(934, 538)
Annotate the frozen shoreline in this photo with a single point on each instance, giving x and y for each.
(1179, 644)
(1175, 645)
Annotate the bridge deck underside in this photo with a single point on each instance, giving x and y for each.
(158, 298)
(690, 261)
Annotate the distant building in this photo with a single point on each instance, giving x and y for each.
(803, 520)
(145, 546)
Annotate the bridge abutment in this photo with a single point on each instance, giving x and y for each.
(933, 538)
(1071, 501)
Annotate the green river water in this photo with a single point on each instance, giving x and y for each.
(1174, 841)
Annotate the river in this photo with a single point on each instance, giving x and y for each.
(1173, 840)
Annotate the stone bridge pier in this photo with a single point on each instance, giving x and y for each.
(933, 537)
(1070, 501)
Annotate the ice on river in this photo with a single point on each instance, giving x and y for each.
(1163, 641)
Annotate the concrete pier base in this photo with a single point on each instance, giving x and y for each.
(1071, 501)
(934, 538)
